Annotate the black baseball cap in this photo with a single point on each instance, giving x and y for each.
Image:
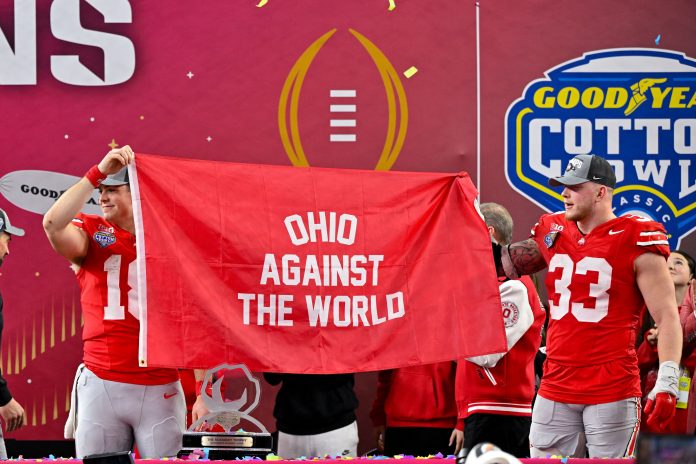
(5, 225)
(586, 168)
(120, 178)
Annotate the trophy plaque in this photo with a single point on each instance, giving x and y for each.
(228, 431)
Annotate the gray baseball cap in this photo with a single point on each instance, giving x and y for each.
(586, 168)
(120, 178)
(5, 225)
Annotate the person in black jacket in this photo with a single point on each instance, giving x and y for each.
(315, 415)
(10, 410)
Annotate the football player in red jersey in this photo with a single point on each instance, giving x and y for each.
(602, 271)
(119, 403)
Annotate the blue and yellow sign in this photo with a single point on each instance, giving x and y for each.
(636, 108)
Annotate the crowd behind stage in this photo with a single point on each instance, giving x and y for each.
(616, 340)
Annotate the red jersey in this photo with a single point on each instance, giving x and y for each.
(504, 383)
(110, 305)
(594, 306)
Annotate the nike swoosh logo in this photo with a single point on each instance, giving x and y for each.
(169, 395)
(614, 232)
(595, 178)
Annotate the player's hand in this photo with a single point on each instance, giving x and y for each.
(379, 437)
(651, 336)
(662, 400)
(660, 411)
(13, 415)
(116, 159)
(199, 410)
(457, 438)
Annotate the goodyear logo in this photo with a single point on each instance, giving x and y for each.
(636, 108)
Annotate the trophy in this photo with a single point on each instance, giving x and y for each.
(228, 430)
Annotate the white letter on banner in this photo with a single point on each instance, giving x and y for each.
(318, 309)
(284, 310)
(376, 319)
(119, 53)
(375, 259)
(304, 238)
(317, 226)
(270, 270)
(360, 310)
(246, 298)
(18, 67)
(291, 274)
(353, 223)
(400, 311)
(337, 302)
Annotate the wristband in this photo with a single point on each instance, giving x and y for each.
(95, 176)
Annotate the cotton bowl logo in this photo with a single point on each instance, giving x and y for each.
(636, 108)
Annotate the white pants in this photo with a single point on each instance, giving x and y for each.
(112, 416)
(334, 443)
(608, 430)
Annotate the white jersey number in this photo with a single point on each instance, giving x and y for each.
(114, 310)
(598, 290)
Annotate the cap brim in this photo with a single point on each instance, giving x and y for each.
(113, 182)
(12, 230)
(566, 180)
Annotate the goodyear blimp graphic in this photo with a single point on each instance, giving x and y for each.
(636, 108)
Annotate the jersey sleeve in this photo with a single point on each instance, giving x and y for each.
(647, 237)
(79, 221)
(517, 315)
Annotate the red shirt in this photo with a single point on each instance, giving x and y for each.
(110, 306)
(595, 304)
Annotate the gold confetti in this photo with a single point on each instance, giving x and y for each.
(410, 72)
(113, 144)
(392, 5)
(261, 3)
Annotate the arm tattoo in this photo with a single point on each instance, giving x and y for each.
(526, 257)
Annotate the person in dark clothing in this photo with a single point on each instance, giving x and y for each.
(315, 414)
(10, 410)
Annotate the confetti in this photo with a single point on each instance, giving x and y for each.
(113, 144)
(657, 39)
(410, 72)
(261, 3)
(190, 75)
(392, 5)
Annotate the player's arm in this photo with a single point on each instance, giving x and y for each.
(518, 259)
(199, 408)
(657, 288)
(67, 240)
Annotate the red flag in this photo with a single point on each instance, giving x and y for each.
(310, 270)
